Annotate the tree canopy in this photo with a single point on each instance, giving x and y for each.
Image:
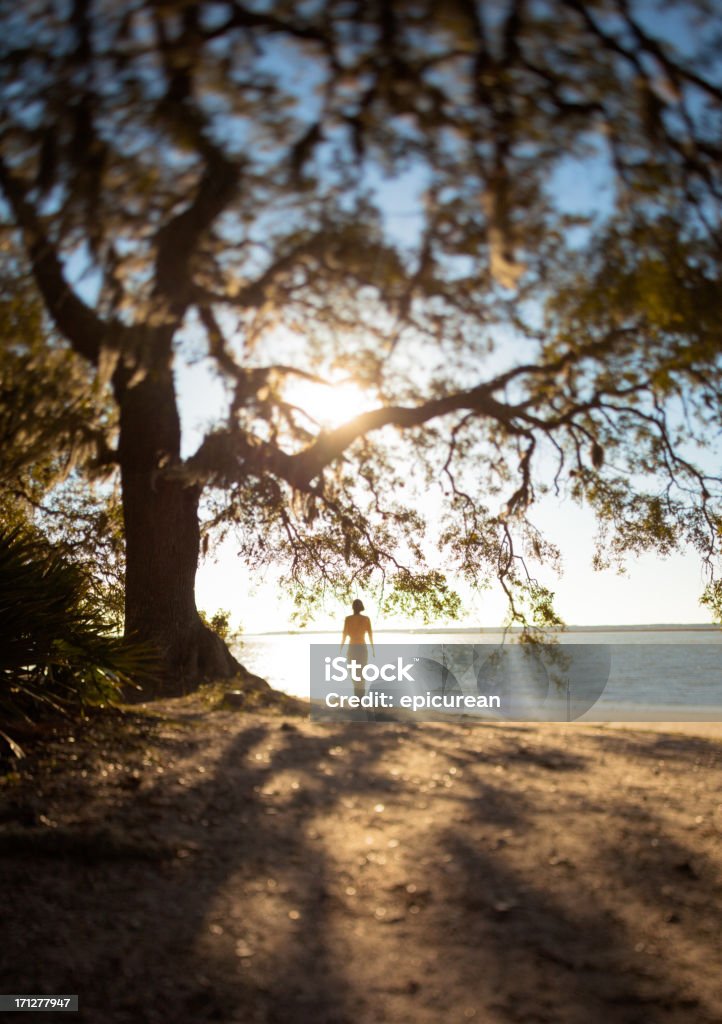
(377, 196)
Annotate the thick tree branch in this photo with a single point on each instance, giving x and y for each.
(178, 240)
(234, 453)
(84, 330)
(330, 445)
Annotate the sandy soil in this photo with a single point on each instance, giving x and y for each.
(203, 864)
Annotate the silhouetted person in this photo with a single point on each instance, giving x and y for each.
(356, 627)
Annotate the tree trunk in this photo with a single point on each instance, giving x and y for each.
(162, 542)
(162, 537)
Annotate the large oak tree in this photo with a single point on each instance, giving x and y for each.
(221, 182)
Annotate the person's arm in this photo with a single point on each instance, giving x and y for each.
(371, 637)
(344, 635)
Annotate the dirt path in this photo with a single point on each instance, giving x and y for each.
(206, 865)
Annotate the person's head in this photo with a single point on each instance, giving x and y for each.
(358, 606)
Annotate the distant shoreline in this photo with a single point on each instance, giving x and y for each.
(696, 627)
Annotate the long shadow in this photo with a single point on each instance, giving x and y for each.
(528, 955)
(243, 923)
(515, 748)
(684, 749)
(163, 950)
(555, 944)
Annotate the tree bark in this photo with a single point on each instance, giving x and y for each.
(162, 536)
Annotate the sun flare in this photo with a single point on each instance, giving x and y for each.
(329, 405)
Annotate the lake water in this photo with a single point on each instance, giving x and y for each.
(671, 674)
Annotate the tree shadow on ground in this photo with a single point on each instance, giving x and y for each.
(142, 935)
(685, 749)
(550, 950)
(269, 910)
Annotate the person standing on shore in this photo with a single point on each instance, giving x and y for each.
(357, 627)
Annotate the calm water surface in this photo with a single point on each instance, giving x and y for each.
(672, 670)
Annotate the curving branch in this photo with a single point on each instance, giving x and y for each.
(178, 240)
(83, 328)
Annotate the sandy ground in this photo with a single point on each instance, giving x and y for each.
(202, 864)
